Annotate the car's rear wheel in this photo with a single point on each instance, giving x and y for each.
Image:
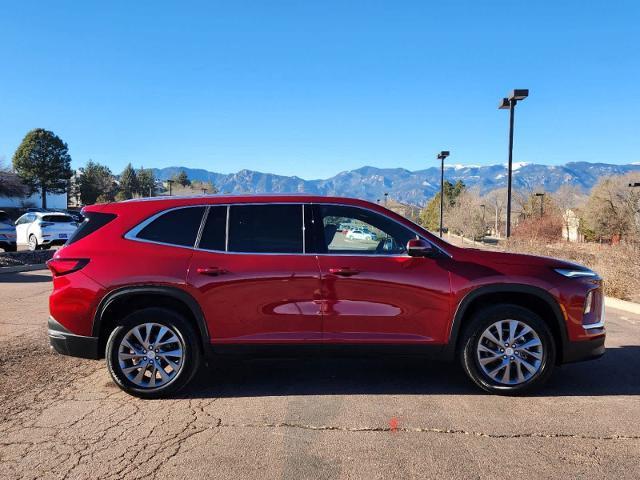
(33, 243)
(508, 350)
(153, 353)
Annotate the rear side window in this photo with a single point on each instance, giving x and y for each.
(265, 228)
(176, 227)
(215, 229)
(57, 219)
(92, 222)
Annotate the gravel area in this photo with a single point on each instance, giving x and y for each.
(16, 259)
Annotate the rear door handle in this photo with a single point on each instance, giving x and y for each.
(211, 271)
(344, 271)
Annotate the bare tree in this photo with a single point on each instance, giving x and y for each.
(496, 203)
(465, 217)
(568, 198)
(612, 208)
(10, 183)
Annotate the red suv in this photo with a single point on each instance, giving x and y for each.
(155, 285)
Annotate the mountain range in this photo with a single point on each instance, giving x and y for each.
(414, 187)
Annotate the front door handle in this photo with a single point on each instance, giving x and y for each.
(211, 271)
(344, 271)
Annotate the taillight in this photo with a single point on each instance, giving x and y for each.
(62, 266)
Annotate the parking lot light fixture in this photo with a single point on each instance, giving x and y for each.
(510, 104)
(386, 194)
(441, 156)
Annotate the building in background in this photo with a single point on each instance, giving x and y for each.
(571, 227)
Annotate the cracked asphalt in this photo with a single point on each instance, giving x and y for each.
(343, 418)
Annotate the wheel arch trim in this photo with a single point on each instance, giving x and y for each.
(158, 290)
(470, 297)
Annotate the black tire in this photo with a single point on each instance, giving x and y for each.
(33, 246)
(472, 335)
(180, 327)
(11, 248)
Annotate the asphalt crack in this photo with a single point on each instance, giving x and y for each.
(448, 431)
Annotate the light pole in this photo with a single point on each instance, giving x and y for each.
(484, 227)
(510, 103)
(170, 182)
(541, 195)
(386, 194)
(441, 156)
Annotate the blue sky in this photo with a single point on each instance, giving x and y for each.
(314, 88)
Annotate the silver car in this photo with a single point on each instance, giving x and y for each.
(7, 233)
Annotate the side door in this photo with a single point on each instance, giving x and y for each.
(254, 280)
(373, 292)
(22, 225)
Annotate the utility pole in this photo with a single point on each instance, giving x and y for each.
(441, 156)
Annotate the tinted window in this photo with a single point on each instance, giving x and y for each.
(57, 219)
(4, 218)
(265, 228)
(352, 230)
(177, 227)
(92, 222)
(214, 232)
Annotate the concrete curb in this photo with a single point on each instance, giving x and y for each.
(622, 305)
(23, 268)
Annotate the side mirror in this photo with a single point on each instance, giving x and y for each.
(416, 247)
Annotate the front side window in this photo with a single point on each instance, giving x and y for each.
(353, 230)
(175, 227)
(273, 228)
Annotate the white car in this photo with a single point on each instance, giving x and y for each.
(44, 229)
(360, 234)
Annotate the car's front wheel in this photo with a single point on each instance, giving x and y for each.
(153, 353)
(507, 350)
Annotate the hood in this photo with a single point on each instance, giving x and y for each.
(488, 257)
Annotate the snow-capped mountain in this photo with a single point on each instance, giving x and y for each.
(415, 187)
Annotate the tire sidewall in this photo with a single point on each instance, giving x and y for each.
(179, 326)
(483, 320)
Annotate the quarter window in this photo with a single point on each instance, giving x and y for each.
(266, 228)
(352, 230)
(176, 227)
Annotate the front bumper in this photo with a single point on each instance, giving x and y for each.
(584, 350)
(67, 343)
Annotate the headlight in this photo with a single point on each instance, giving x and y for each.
(573, 273)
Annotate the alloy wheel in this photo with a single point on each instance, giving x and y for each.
(151, 355)
(510, 352)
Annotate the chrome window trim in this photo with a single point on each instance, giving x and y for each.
(131, 234)
(304, 242)
(203, 220)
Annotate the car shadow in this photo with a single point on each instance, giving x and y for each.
(614, 374)
(23, 277)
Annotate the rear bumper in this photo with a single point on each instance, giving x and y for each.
(584, 350)
(67, 343)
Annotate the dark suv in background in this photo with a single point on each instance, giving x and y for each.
(155, 284)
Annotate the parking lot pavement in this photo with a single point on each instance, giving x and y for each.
(62, 417)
